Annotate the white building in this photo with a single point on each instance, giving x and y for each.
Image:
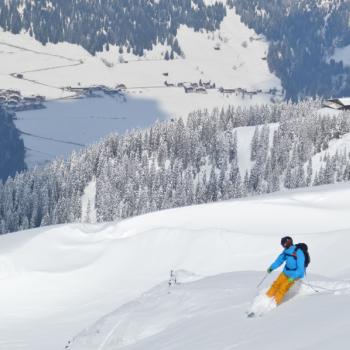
(338, 103)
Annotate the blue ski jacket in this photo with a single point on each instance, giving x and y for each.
(294, 266)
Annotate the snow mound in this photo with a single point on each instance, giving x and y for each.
(183, 276)
(210, 314)
(57, 280)
(262, 304)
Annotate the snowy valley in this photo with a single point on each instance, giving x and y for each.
(225, 67)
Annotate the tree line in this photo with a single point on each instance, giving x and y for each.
(303, 36)
(133, 25)
(177, 163)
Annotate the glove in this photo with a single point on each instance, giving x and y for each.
(269, 270)
(290, 279)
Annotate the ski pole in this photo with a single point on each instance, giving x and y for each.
(313, 287)
(262, 281)
(309, 285)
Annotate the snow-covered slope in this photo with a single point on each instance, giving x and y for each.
(210, 315)
(58, 280)
(340, 146)
(231, 57)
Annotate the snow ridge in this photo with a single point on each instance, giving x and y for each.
(74, 275)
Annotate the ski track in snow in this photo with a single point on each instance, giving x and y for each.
(188, 306)
(106, 285)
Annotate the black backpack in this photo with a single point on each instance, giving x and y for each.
(305, 250)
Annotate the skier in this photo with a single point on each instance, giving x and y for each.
(294, 269)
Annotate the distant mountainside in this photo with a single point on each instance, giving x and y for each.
(11, 147)
(134, 25)
(303, 36)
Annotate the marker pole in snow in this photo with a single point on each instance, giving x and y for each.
(261, 282)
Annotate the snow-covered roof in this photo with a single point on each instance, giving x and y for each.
(338, 103)
(345, 101)
(333, 104)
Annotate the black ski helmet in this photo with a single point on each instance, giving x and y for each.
(286, 239)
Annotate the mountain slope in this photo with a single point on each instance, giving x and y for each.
(230, 56)
(134, 24)
(210, 315)
(304, 36)
(56, 281)
(210, 157)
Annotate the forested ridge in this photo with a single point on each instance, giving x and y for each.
(302, 35)
(177, 163)
(302, 38)
(133, 25)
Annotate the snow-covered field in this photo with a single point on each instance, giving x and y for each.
(72, 124)
(210, 315)
(59, 283)
(239, 62)
(340, 146)
(232, 57)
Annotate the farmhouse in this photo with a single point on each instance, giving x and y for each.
(111, 91)
(120, 86)
(188, 89)
(11, 104)
(227, 91)
(40, 98)
(30, 99)
(168, 84)
(14, 97)
(200, 90)
(338, 103)
(14, 101)
(207, 84)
